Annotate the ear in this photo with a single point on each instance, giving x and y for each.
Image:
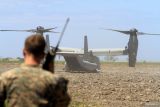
(24, 52)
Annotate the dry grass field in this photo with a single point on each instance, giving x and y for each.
(116, 85)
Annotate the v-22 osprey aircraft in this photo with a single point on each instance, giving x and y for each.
(86, 59)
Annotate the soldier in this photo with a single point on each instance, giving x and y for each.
(31, 86)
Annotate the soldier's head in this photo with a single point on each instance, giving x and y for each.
(34, 47)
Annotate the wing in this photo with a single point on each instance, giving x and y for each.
(108, 52)
(96, 52)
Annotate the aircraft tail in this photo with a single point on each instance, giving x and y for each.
(85, 46)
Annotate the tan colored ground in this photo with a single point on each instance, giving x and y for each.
(116, 85)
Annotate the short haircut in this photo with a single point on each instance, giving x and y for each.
(35, 44)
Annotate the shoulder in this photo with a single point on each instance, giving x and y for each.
(9, 73)
(7, 77)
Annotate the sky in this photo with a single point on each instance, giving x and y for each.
(86, 18)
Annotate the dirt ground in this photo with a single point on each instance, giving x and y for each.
(116, 85)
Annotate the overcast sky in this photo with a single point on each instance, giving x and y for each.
(86, 18)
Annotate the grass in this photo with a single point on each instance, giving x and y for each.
(59, 62)
(77, 104)
(3, 62)
(82, 104)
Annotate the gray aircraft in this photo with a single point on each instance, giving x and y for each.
(132, 44)
(77, 59)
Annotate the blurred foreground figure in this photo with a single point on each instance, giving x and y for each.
(31, 86)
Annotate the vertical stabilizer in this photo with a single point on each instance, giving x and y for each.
(85, 46)
(47, 44)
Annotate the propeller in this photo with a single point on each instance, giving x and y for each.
(142, 33)
(125, 32)
(39, 29)
(131, 31)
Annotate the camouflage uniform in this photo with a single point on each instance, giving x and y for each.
(31, 86)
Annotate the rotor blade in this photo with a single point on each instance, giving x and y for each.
(125, 32)
(53, 32)
(20, 30)
(50, 28)
(142, 33)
